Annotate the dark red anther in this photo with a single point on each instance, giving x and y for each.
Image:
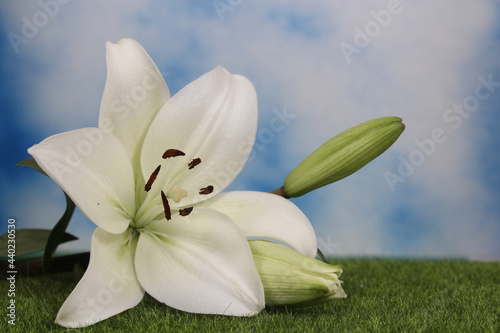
(194, 163)
(172, 153)
(152, 179)
(207, 190)
(166, 206)
(185, 211)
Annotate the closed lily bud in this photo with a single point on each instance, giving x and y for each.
(342, 155)
(293, 279)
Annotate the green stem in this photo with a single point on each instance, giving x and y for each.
(281, 192)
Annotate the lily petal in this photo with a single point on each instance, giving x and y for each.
(213, 119)
(93, 168)
(200, 263)
(109, 285)
(134, 93)
(267, 215)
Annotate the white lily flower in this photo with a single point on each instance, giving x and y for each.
(150, 178)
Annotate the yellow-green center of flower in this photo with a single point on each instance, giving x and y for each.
(151, 209)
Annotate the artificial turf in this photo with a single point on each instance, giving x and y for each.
(383, 296)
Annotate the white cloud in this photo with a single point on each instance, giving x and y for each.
(421, 63)
(417, 67)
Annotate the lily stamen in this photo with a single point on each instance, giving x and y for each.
(194, 163)
(166, 206)
(152, 178)
(185, 211)
(206, 190)
(172, 153)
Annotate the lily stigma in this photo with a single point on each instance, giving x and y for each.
(150, 176)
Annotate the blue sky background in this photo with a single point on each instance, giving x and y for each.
(416, 63)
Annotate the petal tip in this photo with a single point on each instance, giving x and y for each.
(121, 41)
(221, 69)
(31, 150)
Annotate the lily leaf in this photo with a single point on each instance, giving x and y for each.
(30, 241)
(31, 163)
(57, 235)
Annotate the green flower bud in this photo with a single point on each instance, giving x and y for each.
(342, 155)
(293, 279)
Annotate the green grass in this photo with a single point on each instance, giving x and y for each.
(383, 296)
